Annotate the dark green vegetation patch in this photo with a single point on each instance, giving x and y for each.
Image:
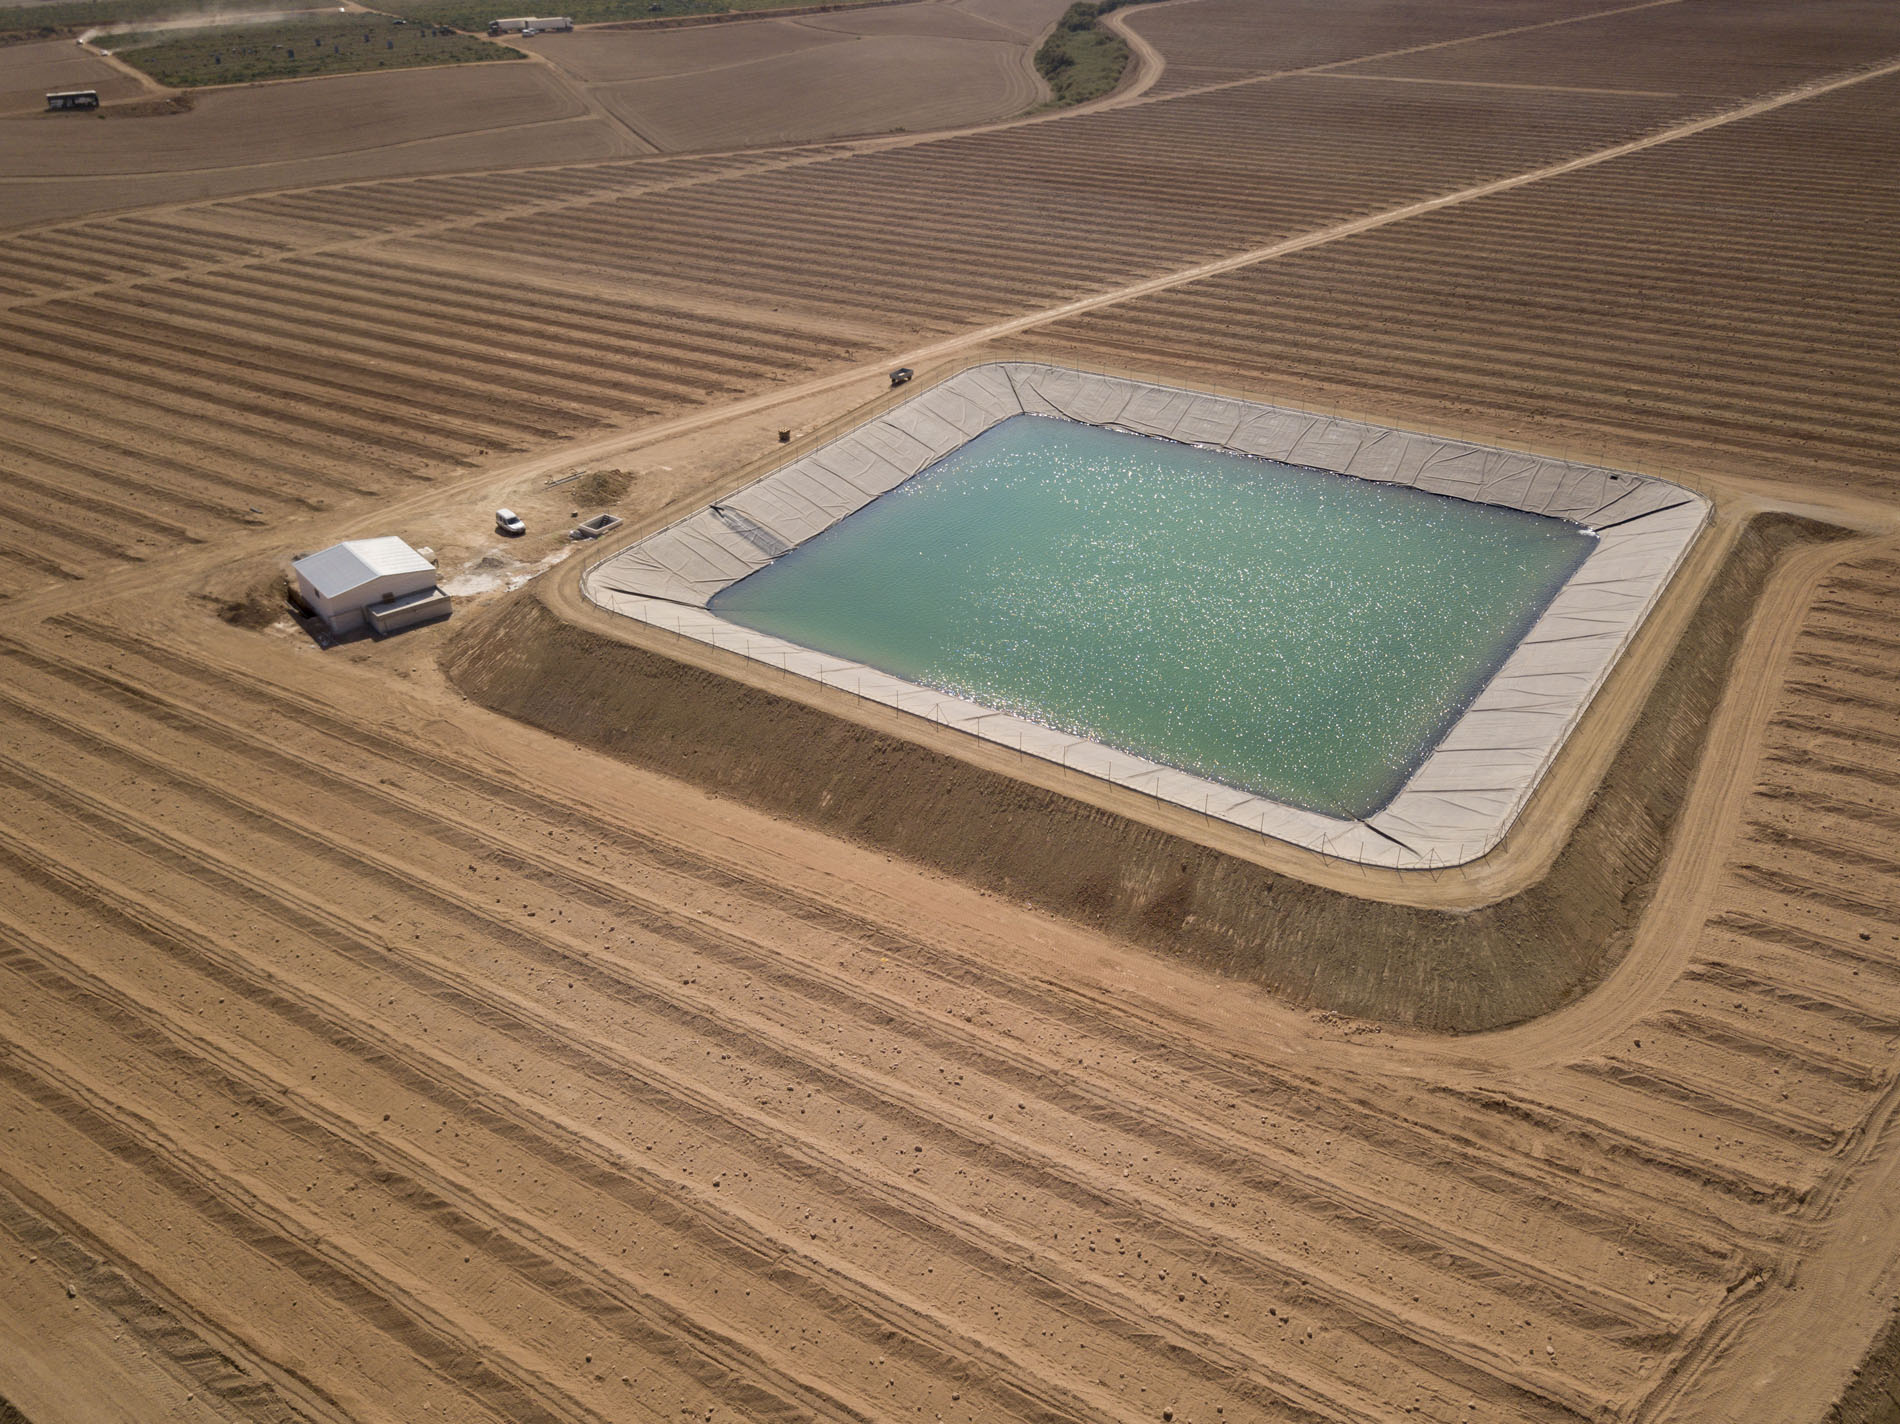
(1081, 59)
(70, 17)
(336, 44)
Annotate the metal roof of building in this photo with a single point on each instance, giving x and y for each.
(336, 570)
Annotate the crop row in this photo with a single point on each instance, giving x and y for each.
(1726, 294)
(946, 232)
(803, 1119)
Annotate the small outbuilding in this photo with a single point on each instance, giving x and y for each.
(381, 584)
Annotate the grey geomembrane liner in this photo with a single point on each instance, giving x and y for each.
(1466, 792)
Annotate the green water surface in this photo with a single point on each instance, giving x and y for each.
(1298, 634)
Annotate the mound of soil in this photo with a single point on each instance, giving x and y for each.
(256, 604)
(602, 487)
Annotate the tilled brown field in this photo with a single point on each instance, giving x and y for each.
(364, 1055)
(1730, 299)
(262, 137)
(1729, 48)
(313, 345)
(927, 64)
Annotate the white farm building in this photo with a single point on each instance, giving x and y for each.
(381, 584)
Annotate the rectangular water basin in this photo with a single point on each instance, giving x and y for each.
(1301, 635)
(1361, 640)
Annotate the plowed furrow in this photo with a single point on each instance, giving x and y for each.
(36, 566)
(1727, 1158)
(565, 365)
(52, 270)
(382, 395)
(1621, 355)
(668, 1343)
(63, 447)
(1827, 852)
(240, 403)
(1802, 888)
(832, 997)
(153, 422)
(206, 241)
(1856, 636)
(1714, 1099)
(601, 320)
(818, 278)
(721, 1118)
(1852, 737)
(678, 1206)
(551, 336)
(98, 1135)
(1682, 426)
(1831, 928)
(361, 338)
(196, 1350)
(109, 497)
(1784, 974)
(66, 542)
(1590, 374)
(1783, 1033)
(1861, 784)
(673, 895)
(1300, 1110)
(216, 361)
(122, 246)
(1187, 1235)
(1808, 804)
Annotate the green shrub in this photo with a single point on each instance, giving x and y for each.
(1081, 60)
(334, 44)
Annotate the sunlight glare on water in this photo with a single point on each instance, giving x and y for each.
(1297, 634)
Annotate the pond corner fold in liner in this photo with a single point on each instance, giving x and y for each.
(1482, 759)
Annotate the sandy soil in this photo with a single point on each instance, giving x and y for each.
(366, 1055)
(911, 67)
(1222, 41)
(1482, 312)
(29, 72)
(862, 85)
(1028, 18)
(357, 114)
(271, 136)
(602, 93)
(1739, 49)
(65, 1348)
(602, 55)
(943, 19)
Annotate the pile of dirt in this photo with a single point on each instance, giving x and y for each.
(1429, 969)
(258, 606)
(599, 487)
(151, 108)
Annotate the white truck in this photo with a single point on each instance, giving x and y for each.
(557, 24)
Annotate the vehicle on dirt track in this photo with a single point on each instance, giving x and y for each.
(73, 99)
(509, 523)
(531, 25)
(901, 375)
